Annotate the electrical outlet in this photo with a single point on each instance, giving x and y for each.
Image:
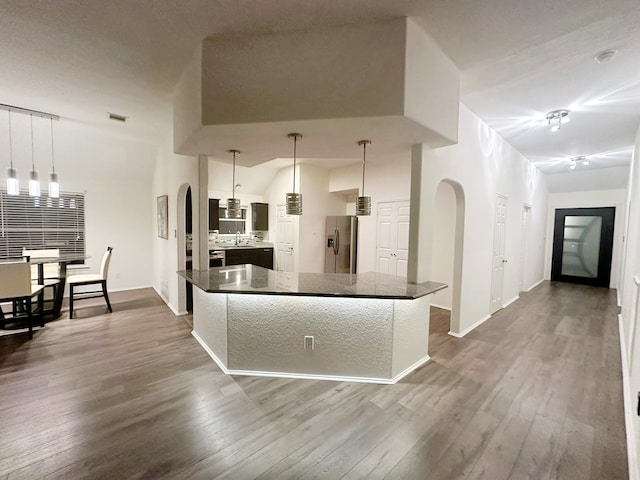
(118, 275)
(309, 342)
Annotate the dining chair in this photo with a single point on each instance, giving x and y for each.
(51, 270)
(75, 281)
(16, 287)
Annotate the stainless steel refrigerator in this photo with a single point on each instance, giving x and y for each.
(341, 244)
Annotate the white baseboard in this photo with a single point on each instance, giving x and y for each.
(634, 473)
(440, 306)
(175, 311)
(303, 376)
(618, 299)
(511, 301)
(472, 327)
(535, 285)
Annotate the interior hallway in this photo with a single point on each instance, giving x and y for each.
(535, 392)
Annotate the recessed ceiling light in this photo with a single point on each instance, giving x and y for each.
(606, 56)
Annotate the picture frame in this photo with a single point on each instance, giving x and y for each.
(163, 216)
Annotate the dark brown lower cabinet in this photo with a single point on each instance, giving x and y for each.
(262, 257)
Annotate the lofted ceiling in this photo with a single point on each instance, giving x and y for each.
(518, 60)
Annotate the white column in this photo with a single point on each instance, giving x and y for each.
(202, 242)
(421, 219)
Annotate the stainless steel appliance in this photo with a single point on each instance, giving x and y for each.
(341, 244)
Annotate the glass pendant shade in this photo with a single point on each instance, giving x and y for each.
(293, 199)
(294, 204)
(13, 187)
(363, 204)
(54, 186)
(233, 208)
(233, 203)
(34, 184)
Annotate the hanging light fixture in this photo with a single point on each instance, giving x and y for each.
(54, 186)
(233, 203)
(556, 118)
(34, 184)
(294, 200)
(13, 187)
(363, 204)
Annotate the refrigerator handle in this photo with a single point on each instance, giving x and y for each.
(336, 242)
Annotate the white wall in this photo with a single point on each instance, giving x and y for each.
(597, 198)
(485, 165)
(112, 170)
(172, 172)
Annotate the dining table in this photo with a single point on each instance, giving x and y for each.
(63, 260)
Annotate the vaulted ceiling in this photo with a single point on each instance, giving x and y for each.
(518, 60)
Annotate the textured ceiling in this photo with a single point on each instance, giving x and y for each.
(519, 59)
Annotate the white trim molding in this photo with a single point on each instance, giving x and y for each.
(634, 473)
(472, 327)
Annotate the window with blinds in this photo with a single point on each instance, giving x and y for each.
(38, 223)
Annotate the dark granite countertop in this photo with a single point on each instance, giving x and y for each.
(252, 279)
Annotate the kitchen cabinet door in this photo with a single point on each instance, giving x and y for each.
(266, 257)
(259, 216)
(214, 219)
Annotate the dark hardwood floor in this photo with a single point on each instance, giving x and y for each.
(535, 392)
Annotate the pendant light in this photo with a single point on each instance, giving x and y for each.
(363, 204)
(294, 200)
(13, 187)
(34, 184)
(233, 203)
(54, 186)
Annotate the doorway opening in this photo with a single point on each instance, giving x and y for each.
(184, 236)
(583, 245)
(447, 249)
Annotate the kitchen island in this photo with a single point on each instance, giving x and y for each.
(367, 327)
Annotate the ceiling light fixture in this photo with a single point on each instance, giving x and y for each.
(54, 186)
(605, 56)
(294, 200)
(580, 159)
(233, 203)
(13, 187)
(34, 184)
(556, 118)
(363, 204)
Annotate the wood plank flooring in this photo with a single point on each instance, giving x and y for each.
(535, 392)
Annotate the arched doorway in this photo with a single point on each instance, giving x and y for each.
(447, 247)
(184, 223)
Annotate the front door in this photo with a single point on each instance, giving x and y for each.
(583, 245)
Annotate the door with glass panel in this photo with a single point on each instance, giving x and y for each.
(583, 245)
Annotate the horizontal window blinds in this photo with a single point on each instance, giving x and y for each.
(38, 223)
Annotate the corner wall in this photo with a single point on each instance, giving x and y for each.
(485, 165)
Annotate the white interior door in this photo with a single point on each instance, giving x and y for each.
(526, 214)
(499, 231)
(285, 240)
(392, 248)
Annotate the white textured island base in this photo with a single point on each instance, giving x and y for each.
(373, 340)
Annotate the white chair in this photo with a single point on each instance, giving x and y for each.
(16, 287)
(75, 281)
(51, 270)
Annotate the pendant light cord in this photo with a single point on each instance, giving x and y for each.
(364, 157)
(10, 143)
(295, 142)
(53, 165)
(33, 155)
(233, 176)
